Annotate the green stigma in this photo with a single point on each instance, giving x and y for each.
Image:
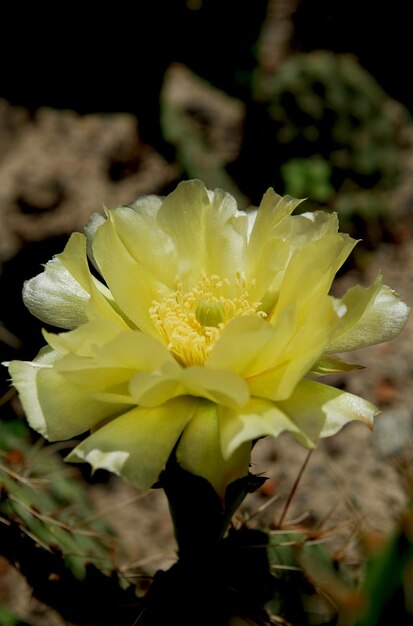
(209, 313)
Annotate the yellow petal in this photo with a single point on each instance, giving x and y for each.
(242, 339)
(221, 386)
(55, 407)
(374, 314)
(305, 346)
(199, 450)
(267, 254)
(155, 388)
(130, 284)
(74, 259)
(137, 444)
(208, 232)
(84, 339)
(321, 411)
(55, 297)
(257, 419)
(147, 244)
(310, 273)
(118, 357)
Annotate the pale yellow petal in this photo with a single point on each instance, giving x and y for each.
(74, 259)
(137, 444)
(310, 273)
(95, 220)
(132, 287)
(267, 253)
(55, 407)
(272, 210)
(257, 419)
(208, 232)
(304, 346)
(199, 450)
(221, 386)
(55, 297)
(374, 314)
(242, 339)
(106, 361)
(84, 339)
(321, 411)
(155, 388)
(150, 246)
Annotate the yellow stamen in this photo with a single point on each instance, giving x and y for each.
(191, 322)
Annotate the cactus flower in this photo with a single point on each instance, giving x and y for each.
(201, 329)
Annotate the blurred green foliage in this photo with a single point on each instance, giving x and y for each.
(335, 136)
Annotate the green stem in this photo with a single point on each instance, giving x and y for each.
(200, 518)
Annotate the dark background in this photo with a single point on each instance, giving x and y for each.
(112, 58)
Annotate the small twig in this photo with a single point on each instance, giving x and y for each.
(114, 508)
(10, 393)
(262, 508)
(294, 488)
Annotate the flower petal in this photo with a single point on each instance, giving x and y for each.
(55, 407)
(300, 350)
(241, 341)
(155, 388)
(374, 314)
(221, 386)
(137, 444)
(208, 231)
(321, 411)
(140, 234)
(103, 361)
(74, 259)
(321, 258)
(257, 419)
(132, 287)
(55, 297)
(83, 340)
(199, 450)
(266, 253)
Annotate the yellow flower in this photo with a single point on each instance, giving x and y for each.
(203, 332)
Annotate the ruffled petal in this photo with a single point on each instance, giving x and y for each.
(100, 304)
(267, 254)
(150, 246)
(241, 343)
(374, 314)
(321, 411)
(99, 361)
(208, 231)
(83, 340)
(133, 288)
(137, 444)
(300, 350)
(257, 419)
(55, 297)
(199, 450)
(319, 256)
(155, 388)
(55, 407)
(221, 386)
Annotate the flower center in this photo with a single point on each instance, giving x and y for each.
(191, 322)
